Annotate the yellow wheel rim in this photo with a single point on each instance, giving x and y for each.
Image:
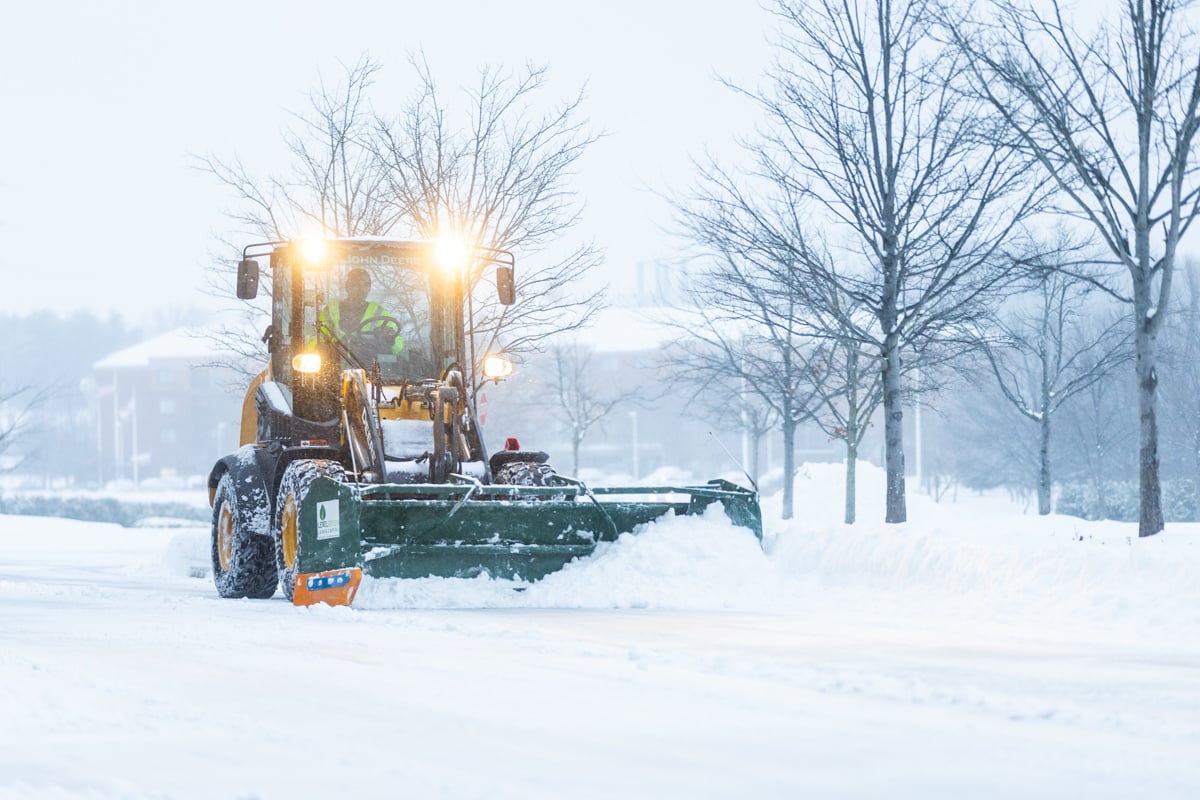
(225, 537)
(289, 532)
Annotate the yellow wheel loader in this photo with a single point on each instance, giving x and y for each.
(360, 448)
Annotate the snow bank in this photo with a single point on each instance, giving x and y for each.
(981, 557)
(986, 555)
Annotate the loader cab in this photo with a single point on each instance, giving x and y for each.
(413, 331)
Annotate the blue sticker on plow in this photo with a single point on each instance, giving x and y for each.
(318, 582)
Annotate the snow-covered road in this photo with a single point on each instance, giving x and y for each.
(123, 677)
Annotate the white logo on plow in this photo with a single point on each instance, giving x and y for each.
(327, 520)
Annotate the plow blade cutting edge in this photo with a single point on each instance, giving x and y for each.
(464, 530)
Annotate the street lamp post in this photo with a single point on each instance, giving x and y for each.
(633, 424)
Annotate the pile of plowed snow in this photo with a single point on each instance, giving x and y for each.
(675, 562)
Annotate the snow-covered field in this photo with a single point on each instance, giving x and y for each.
(973, 652)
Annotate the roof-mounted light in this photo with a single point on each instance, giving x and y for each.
(450, 252)
(313, 251)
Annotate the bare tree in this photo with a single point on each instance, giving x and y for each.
(868, 138)
(719, 397)
(1098, 431)
(1046, 349)
(497, 179)
(18, 407)
(1181, 390)
(849, 388)
(583, 400)
(334, 186)
(982, 441)
(1112, 118)
(751, 334)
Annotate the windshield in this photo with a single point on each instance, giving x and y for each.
(378, 303)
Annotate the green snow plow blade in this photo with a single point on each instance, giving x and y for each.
(466, 529)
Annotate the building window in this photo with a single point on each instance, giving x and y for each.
(166, 406)
(165, 377)
(168, 436)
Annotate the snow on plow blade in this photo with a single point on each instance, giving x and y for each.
(464, 530)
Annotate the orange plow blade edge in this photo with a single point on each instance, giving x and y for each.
(335, 587)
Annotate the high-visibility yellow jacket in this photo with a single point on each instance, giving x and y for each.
(329, 322)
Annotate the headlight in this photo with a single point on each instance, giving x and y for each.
(306, 363)
(497, 367)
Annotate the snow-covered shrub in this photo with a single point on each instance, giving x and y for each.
(126, 513)
(1119, 501)
(1179, 501)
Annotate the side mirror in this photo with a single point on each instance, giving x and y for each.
(506, 286)
(247, 279)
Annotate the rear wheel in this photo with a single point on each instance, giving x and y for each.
(241, 559)
(286, 531)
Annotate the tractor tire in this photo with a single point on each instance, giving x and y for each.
(241, 559)
(293, 488)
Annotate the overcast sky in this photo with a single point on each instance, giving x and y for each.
(104, 103)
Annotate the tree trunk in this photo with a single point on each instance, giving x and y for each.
(852, 433)
(1150, 520)
(1045, 400)
(1196, 475)
(851, 479)
(1044, 482)
(755, 455)
(1099, 511)
(575, 442)
(789, 464)
(1145, 334)
(893, 432)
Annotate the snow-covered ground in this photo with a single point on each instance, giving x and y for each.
(973, 652)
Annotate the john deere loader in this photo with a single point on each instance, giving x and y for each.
(360, 448)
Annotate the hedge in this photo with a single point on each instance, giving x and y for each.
(127, 513)
(1119, 500)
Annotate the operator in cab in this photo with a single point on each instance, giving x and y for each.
(363, 325)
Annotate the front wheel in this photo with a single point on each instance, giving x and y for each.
(293, 488)
(241, 559)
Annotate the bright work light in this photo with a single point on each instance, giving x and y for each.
(497, 367)
(313, 251)
(306, 363)
(451, 254)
